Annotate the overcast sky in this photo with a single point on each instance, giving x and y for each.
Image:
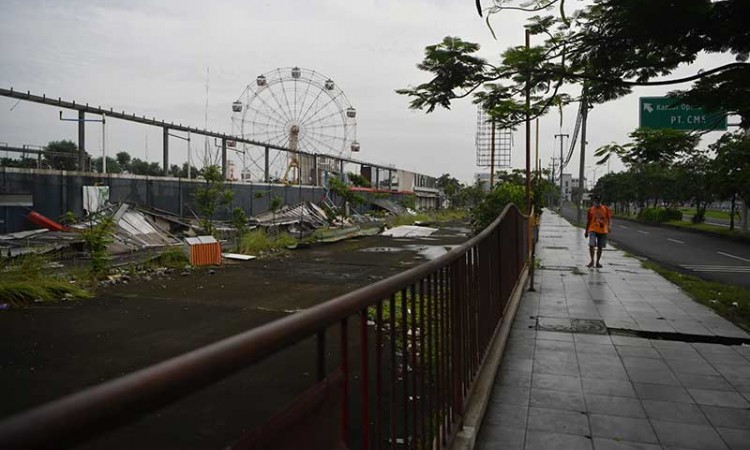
(151, 58)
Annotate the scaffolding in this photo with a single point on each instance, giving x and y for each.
(493, 143)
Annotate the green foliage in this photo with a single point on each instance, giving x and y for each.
(358, 180)
(658, 215)
(256, 242)
(173, 258)
(112, 165)
(609, 45)
(340, 188)
(27, 279)
(408, 202)
(96, 237)
(494, 203)
(61, 155)
(211, 195)
(651, 146)
(239, 222)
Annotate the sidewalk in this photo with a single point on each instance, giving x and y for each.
(566, 382)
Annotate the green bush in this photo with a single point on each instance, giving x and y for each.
(659, 215)
(258, 241)
(494, 203)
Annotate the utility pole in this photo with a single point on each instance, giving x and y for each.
(492, 156)
(562, 193)
(581, 184)
(528, 137)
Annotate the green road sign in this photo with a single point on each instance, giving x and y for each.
(663, 112)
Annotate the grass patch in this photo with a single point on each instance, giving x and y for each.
(256, 242)
(710, 213)
(730, 302)
(172, 258)
(439, 216)
(736, 233)
(28, 279)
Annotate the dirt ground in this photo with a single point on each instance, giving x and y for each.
(50, 350)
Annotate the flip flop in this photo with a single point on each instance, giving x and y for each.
(599, 266)
(590, 265)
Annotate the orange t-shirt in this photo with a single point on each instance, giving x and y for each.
(598, 219)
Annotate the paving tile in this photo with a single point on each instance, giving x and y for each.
(719, 398)
(596, 349)
(517, 364)
(559, 363)
(627, 340)
(637, 351)
(649, 391)
(674, 412)
(499, 438)
(512, 378)
(688, 436)
(739, 369)
(692, 366)
(556, 382)
(609, 444)
(601, 366)
(555, 336)
(592, 339)
(548, 345)
(735, 439)
(507, 416)
(652, 375)
(614, 406)
(713, 382)
(558, 421)
(622, 428)
(510, 395)
(614, 388)
(542, 440)
(546, 398)
(727, 417)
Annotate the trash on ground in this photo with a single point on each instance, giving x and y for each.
(238, 256)
(409, 231)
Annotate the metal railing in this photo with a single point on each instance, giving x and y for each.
(408, 352)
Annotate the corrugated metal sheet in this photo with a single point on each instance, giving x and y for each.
(203, 251)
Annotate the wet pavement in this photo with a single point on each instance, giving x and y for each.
(578, 373)
(50, 350)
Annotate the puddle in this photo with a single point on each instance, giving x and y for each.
(431, 252)
(383, 249)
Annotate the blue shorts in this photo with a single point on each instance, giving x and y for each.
(597, 239)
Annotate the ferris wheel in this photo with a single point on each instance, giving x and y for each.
(298, 109)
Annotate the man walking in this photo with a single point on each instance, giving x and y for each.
(598, 224)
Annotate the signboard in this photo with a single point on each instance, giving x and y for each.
(663, 112)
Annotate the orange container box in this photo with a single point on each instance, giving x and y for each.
(203, 250)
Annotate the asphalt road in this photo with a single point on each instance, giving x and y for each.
(708, 257)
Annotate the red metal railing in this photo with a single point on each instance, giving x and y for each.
(409, 349)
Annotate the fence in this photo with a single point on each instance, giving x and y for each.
(391, 363)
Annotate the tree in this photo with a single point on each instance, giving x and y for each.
(62, 155)
(452, 189)
(493, 204)
(651, 146)
(609, 46)
(112, 165)
(123, 160)
(733, 166)
(139, 167)
(211, 196)
(695, 182)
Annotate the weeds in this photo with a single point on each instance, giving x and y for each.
(258, 241)
(28, 279)
(172, 258)
(730, 302)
